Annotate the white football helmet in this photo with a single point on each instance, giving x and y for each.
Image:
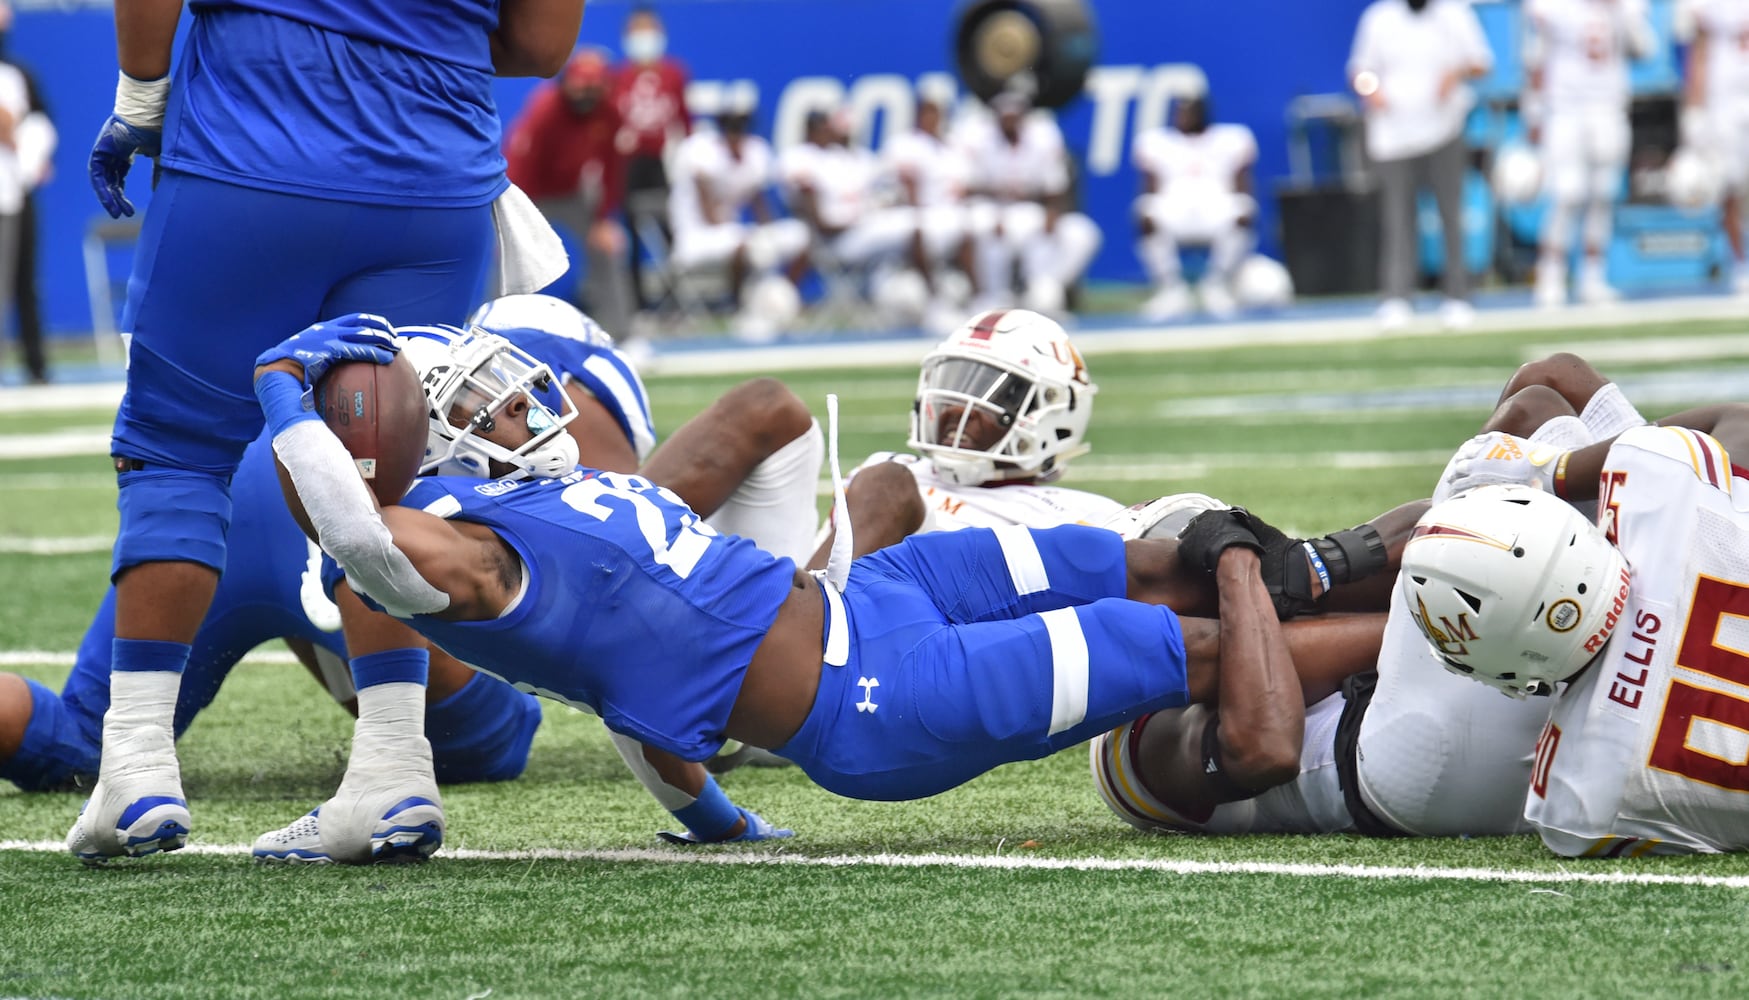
(544, 313)
(1163, 517)
(1517, 177)
(1693, 179)
(1018, 369)
(1513, 587)
(469, 377)
(1263, 283)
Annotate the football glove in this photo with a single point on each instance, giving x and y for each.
(1286, 562)
(1497, 457)
(135, 127)
(758, 828)
(353, 337)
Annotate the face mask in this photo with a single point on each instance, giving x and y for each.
(645, 46)
(1417, 5)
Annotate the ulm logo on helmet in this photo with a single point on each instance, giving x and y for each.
(1450, 639)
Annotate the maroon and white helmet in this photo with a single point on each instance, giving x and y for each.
(1513, 586)
(1019, 369)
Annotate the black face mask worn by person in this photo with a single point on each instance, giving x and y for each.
(1416, 5)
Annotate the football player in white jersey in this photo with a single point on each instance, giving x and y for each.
(1575, 107)
(1002, 407)
(1021, 206)
(1639, 616)
(1715, 105)
(719, 183)
(931, 175)
(1196, 180)
(1415, 750)
(832, 186)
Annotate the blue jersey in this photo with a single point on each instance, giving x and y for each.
(603, 371)
(632, 607)
(387, 102)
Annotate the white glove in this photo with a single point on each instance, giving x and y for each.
(1496, 457)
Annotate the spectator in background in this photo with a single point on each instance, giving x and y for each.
(1021, 201)
(1411, 63)
(561, 153)
(831, 185)
(1575, 108)
(14, 186)
(931, 177)
(722, 215)
(1715, 107)
(649, 92)
(1196, 180)
(34, 141)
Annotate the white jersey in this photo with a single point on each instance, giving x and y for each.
(1034, 167)
(1441, 755)
(842, 179)
(732, 181)
(1584, 47)
(1311, 803)
(1648, 752)
(951, 507)
(1196, 165)
(1726, 25)
(939, 171)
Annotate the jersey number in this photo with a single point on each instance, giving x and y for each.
(1700, 651)
(680, 553)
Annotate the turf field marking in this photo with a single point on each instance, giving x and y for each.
(81, 441)
(55, 658)
(1011, 862)
(56, 481)
(64, 546)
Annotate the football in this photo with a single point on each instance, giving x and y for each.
(378, 412)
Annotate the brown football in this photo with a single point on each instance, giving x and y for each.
(378, 412)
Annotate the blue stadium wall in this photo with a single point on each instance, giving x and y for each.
(1256, 55)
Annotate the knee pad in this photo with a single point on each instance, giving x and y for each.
(169, 515)
(58, 747)
(482, 732)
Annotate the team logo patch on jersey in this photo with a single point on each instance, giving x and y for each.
(367, 467)
(1564, 615)
(496, 488)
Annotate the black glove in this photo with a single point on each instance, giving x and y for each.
(1210, 533)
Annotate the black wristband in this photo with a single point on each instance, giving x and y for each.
(1352, 555)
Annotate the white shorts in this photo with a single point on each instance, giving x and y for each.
(768, 245)
(1727, 138)
(1190, 217)
(776, 505)
(882, 233)
(1584, 152)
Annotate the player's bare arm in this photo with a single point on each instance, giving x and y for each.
(145, 31)
(535, 37)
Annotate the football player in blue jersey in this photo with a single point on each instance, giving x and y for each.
(313, 157)
(902, 676)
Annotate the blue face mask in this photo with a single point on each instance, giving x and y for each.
(645, 46)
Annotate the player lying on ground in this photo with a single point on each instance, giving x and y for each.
(751, 460)
(479, 728)
(904, 675)
(1424, 753)
(1632, 623)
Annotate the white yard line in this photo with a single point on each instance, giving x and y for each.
(59, 658)
(61, 444)
(69, 545)
(1026, 862)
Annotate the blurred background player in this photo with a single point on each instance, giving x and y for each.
(1715, 109)
(1410, 65)
(649, 92)
(1196, 184)
(33, 145)
(561, 151)
(833, 187)
(1575, 106)
(931, 175)
(720, 181)
(264, 119)
(1021, 199)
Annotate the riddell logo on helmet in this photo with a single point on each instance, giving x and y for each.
(1601, 636)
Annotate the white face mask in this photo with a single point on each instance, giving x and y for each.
(645, 45)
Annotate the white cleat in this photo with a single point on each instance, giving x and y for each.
(133, 812)
(1168, 303)
(1394, 314)
(409, 829)
(736, 754)
(1217, 300)
(1456, 314)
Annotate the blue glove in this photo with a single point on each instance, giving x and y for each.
(353, 337)
(757, 829)
(111, 156)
